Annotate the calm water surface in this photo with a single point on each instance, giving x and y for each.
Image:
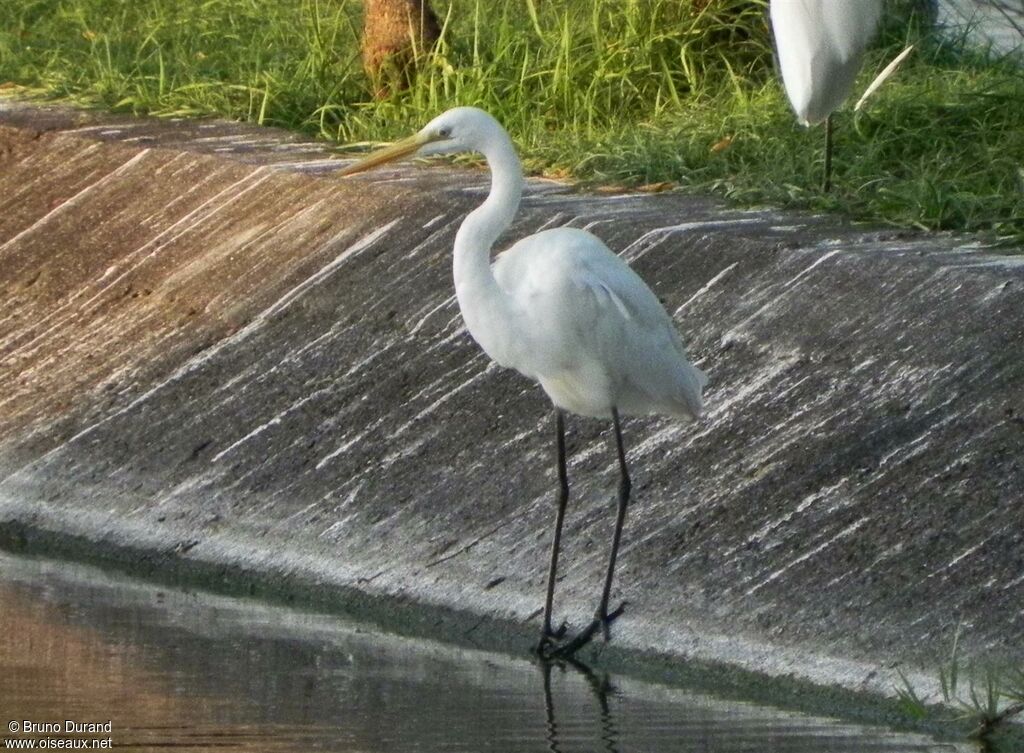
(194, 672)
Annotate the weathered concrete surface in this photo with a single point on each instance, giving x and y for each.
(238, 361)
(994, 25)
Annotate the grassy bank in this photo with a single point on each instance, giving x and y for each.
(608, 91)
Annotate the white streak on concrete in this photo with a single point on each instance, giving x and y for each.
(761, 379)
(275, 421)
(310, 165)
(351, 441)
(279, 418)
(334, 530)
(455, 335)
(332, 332)
(186, 220)
(406, 450)
(77, 198)
(447, 302)
(555, 220)
(239, 378)
(326, 271)
(649, 240)
(908, 450)
(863, 365)
(637, 248)
(848, 531)
(517, 438)
(1013, 584)
(363, 362)
(243, 334)
(441, 401)
(589, 227)
(426, 243)
(340, 449)
(811, 499)
(89, 129)
(785, 288)
(962, 556)
(655, 439)
(707, 286)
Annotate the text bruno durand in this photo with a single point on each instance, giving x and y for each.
(27, 734)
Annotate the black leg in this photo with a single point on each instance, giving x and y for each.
(603, 618)
(620, 519)
(563, 499)
(826, 185)
(600, 686)
(549, 708)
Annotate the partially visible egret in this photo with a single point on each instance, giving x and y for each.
(562, 309)
(821, 47)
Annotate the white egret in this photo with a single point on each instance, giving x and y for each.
(562, 309)
(821, 45)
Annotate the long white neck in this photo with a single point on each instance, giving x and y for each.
(486, 308)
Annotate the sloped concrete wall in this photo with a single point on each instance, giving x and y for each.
(213, 351)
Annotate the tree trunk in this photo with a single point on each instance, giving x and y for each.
(396, 33)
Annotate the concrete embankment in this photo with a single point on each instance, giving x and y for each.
(218, 358)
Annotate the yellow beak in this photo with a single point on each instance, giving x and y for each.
(395, 151)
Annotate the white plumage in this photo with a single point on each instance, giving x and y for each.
(558, 306)
(562, 309)
(590, 331)
(821, 47)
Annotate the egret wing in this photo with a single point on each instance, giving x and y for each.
(597, 330)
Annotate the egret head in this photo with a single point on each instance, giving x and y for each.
(461, 129)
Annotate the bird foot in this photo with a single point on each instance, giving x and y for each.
(606, 620)
(549, 639)
(550, 648)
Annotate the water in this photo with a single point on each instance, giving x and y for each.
(190, 671)
(998, 24)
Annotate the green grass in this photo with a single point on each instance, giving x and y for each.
(983, 697)
(623, 92)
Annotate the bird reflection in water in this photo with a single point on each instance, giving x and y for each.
(600, 687)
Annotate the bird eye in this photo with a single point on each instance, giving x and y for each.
(444, 133)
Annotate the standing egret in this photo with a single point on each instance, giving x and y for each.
(562, 309)
(821, 46)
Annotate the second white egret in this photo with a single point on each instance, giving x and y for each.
(821, 46)
(565, 311)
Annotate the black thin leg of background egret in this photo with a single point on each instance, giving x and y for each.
(826, 185)
(603, 618)
(556, 543)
